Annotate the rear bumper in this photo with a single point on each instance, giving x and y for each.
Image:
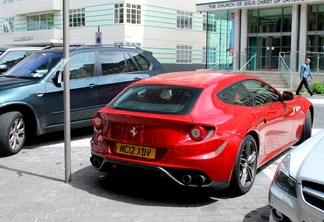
(181, 176)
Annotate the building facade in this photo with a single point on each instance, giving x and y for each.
(173, 30)
(265, 35)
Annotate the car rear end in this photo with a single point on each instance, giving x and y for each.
(150, 127)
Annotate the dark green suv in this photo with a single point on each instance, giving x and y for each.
(31, 94)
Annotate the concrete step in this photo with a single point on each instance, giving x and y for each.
(274, 78)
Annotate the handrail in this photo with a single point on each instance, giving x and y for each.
(220, 63)
(248, 62)
(285, 64)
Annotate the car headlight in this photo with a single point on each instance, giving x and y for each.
(282, 178)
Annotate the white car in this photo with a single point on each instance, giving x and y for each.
(297, 189)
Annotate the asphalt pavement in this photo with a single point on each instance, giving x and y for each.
(33, 188)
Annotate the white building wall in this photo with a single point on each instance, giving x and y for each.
(157, 32)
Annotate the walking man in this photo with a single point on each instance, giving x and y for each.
(304, 74)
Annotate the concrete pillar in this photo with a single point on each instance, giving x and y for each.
(303, 33)
(294, 46)
(243, 37)
(237, 34)
(294, 37)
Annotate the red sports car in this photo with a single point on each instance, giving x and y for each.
(199, 129)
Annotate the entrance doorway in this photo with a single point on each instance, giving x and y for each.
(269, 52)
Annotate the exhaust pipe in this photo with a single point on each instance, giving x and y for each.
(200, 179)
(186, 179)
(96, 162)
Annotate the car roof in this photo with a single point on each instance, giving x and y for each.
(74, 48)
(21, 48)
(200, 79)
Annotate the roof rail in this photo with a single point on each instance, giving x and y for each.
(107, 45)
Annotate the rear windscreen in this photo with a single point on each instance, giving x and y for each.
(164, 99)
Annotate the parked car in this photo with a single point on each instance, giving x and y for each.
(199, 129)
(31, 93)
(10, 56)
(297, 189)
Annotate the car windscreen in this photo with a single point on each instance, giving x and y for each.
(163, 99)
(36, 65)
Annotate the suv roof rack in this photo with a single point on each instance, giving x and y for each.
(107, 45)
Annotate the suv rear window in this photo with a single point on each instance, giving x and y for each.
(164, 99)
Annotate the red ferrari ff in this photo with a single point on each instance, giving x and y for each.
(199, 129)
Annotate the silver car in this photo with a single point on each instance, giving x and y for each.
(297, 189)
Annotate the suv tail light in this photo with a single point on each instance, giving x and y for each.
(97, 121)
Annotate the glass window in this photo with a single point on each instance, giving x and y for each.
(320, 16)
(315, 18)
(312, 17)
(261, 92)
(133, 13)
(7, 1)
(249, 93)
(253, 21)
(141, 61)
(77, 17)
(203, 55)
(12, 58)
(270, 20)
(137, 44)
(39, 22)
(119, 13)
(204, 22)
(82, 65)
(112, 62)
(184, 20)
(36, 65)
(130, 64)
(166, 99)
(219, 41)
(8, 25)
(212, 23)
(287, 18)
(184, 54)
(236, 94)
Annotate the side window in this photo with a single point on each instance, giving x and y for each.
(112, 62)
(12, 58)
(82, 65)
(236, 94)
(131, 66)
(141, 61)
(261, 92)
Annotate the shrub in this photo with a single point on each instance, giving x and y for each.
(315, 84)
(319, 89)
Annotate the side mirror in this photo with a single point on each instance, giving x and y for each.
(58, 77)
(287, 96)
(3, 68)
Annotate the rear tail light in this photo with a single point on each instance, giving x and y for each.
(97, 121)
(198, 133)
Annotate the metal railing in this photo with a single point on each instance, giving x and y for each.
(248, 62)
(223, 62)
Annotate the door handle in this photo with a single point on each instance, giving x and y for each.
(136, 79)
(93, 86)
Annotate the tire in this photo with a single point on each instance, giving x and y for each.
(307, 129)
(12, 134)
(245, 167)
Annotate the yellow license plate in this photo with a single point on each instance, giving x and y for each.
(136, 150)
